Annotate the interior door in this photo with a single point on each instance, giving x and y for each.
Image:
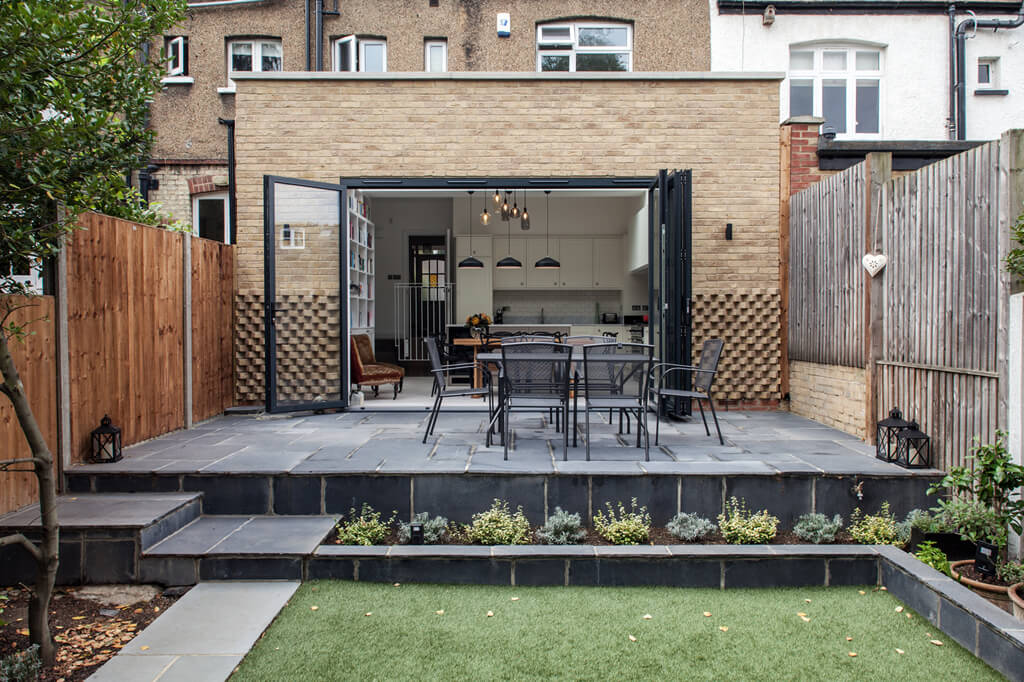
(670, 278)
(305, 313)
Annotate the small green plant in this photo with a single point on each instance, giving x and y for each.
(973, 520)
(630, 527)
(1015, 259)
(925, 521)
(562, 528)
(690, 527)
(1010, 572)
(877, 529)
(818, 528)
(364, 528)
(21, 666)
(740, 526)
(929, 554)
(498, 526)
(434, 529)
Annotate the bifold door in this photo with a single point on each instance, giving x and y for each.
(305, 295)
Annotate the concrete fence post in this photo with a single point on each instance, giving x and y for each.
(1015, 393)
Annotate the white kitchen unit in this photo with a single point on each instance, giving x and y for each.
(537, 248)
(473, 288)
(609, 270)
(577, 257)
(621, 331)
(509, 279)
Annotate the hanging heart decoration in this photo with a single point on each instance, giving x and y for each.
(874, 262)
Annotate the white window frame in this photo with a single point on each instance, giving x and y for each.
(818, 74)
(257, 57)
(356, 48)
(443, 44)
(176, 53)
(993, 73)
(33, 280)
(227, 212)
(570, 47)
(293, 237)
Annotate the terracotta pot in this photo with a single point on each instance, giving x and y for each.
(1016, 594)
(998, 595)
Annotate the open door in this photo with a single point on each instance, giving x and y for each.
(669, 276)
(305, 314)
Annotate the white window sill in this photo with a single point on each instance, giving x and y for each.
(226, 91)
(178, 80)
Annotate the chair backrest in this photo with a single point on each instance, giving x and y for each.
(495, 339)
(536, 369)
(364, 347)
(616, 369)
(435, 361)
(588, 339)
(710, 354)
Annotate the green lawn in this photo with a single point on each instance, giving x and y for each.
(584, 633)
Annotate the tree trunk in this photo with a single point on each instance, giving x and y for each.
(46, 569)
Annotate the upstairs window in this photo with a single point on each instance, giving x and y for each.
(840, 84)
(435, 56)
(176, 49)
(254, 56)
(585, 46)
(369, 55)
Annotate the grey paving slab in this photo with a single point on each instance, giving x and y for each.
(122, 668)
(198, 537)
(251, 460)
(106, 510)
(491, 461)
(276, 535)
(193, 668)
(338, 465)
(222, 618)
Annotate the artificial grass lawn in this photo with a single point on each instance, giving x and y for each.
(584, 633)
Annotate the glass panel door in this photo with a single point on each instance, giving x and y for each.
(305, 315)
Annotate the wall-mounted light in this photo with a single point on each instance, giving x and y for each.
(728, 232)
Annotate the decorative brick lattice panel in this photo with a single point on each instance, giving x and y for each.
(748, 322)
(308, 347)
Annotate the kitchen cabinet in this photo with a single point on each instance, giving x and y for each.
(537, 248)
(609, 271)
(577, 257)
(473, 288)
(509, 279)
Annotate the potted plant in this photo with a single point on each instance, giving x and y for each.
(478, 322)
(939, 529)
(1013, 572)
(982, 504)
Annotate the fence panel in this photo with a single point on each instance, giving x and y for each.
(36, 361)
(939, 362)
(213, 275)
(826, 287)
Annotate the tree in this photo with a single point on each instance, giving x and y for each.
(77, 84)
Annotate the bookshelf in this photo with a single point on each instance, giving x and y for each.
(361, 240)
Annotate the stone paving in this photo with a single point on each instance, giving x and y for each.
(389, 443)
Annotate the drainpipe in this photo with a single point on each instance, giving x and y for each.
(319, 35)
(961, 58)
(309, 56)
(233, 205)
(951, 118)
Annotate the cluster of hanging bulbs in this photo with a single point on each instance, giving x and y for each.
(502, 208)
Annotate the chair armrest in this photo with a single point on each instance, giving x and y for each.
(676, 368)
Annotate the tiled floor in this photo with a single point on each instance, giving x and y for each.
(390, 442)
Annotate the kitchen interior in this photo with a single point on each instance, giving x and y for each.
(572, 261)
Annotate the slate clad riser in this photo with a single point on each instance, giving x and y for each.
(83, 561)
(459, 496)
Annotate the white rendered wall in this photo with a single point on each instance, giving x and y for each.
(915, 85)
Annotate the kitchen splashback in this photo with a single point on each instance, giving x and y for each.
(560, 307)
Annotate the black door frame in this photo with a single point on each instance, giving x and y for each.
(269, 294)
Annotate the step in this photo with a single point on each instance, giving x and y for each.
(101, 535)
(235, 548)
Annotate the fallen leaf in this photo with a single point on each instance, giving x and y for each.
(277, 648)
(801, 614)
(23, 631)
(707, 614)
(368, 613)
(849, 639)
(899, 609)
(852, 654)
(927, 634)
(648, 616)
(156, 609)
(138, 611)
(439, 613)
(397, 585)
(807, 600)
(805, 619)
(935, 642)
(632, 638)
(515, 598)
(144, 648)
(490, 614)
(910, 615)
(723, 628)
(861, 592)
(314, 608)
(883, 588)
(900, 652)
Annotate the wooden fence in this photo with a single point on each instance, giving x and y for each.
(129, 306)
(826, 238)
(930, 328)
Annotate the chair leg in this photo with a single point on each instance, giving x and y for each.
(586, 417)
(565, 431)
(575, 415)
(721, 441)
(506, 434)
(430, 420)
(647, 435)
(701, 406)
(657, 422)
(396, 389)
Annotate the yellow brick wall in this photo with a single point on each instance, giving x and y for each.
(726, 131)
(831, 394)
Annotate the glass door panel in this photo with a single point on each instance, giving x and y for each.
(305, 314)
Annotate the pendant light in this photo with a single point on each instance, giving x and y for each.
(547, 262)
(485, 217)
(515, 206)
(505, 208)
(470, 262)
(497, 198)
(509, 262)
(524, 221)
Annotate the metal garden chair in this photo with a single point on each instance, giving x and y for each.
(443, 390)
(615, 377)
(702, 376)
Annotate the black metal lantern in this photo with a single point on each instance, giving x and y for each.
(106, 442)
(913, 448)
(885, 447)
(415, 533)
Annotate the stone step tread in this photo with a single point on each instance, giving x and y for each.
(245, 535)
(104, 510)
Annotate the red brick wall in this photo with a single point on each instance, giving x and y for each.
(803, 156)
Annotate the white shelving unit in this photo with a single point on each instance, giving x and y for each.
(361, 240)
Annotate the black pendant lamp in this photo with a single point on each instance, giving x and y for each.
(547, 262)
(470, 262)
(509, 262)
(524, 220)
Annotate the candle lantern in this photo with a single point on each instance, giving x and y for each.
(913, 448)
(106, 442)
(885, 444)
